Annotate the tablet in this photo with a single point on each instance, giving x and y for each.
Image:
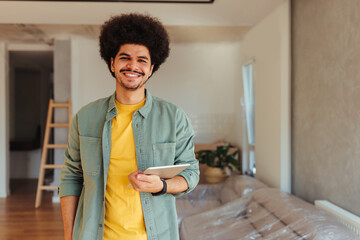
(166, 171)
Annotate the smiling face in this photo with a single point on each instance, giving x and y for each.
(132, 67)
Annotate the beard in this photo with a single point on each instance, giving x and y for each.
(129, 86)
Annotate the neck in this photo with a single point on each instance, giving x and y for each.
(129, 97)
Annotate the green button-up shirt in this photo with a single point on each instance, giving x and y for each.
(163, 136)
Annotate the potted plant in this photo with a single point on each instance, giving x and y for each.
(219, 163)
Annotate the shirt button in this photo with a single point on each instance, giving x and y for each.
(137, 125)
(100, 225)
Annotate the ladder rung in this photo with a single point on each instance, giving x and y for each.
(64, 125)
(49, 187)
(46, 146)
(51, 166)
(64, 105)
(56, 146)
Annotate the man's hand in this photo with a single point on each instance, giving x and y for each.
(152, 183)
(145, 183)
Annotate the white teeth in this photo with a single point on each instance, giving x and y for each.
(131, 75)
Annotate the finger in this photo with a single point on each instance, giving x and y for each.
(148, 178)
(132, 176)
(136, 184)
(137, 172)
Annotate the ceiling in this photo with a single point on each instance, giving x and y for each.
(46, 33)
(138, 1)
(223, 20)
(219, 13)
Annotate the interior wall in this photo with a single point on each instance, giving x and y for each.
(326, 101)
(267, 44)
(4, 120)
(62, 93)
(198, 76)
(29, 162)
(90, 78)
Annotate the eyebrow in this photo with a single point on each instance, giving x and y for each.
(125, 54)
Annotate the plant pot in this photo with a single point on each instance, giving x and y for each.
(214, 175)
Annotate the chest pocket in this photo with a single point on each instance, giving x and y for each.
(164, 154)
(91, 155)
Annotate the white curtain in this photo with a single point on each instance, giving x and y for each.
(249, 101)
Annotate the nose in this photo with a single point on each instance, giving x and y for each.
(132, 65)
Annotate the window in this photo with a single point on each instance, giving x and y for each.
(249, 117)
(249, 101)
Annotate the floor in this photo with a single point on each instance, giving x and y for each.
(19, 220)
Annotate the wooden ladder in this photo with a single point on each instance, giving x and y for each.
(47, 146)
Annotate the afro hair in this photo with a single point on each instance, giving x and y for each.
(134, 28)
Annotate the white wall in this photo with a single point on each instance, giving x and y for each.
(198, 76)
(25, 164)
(268, 43)
(4, 119)
(90, 78)
(62, 93)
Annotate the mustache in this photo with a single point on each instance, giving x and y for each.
(129, 70)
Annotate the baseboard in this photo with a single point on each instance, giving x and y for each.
(3, 194)
(55, 199)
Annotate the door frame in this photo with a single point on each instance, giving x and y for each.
(5, 48)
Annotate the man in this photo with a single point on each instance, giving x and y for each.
(112, 140)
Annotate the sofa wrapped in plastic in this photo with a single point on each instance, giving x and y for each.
(205, 197)
(265, 213)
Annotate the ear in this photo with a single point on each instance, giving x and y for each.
(112, 65)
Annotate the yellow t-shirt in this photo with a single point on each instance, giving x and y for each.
(124, 217)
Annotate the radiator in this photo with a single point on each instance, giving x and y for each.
(350, 220)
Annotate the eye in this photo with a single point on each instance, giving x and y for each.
(125, 58)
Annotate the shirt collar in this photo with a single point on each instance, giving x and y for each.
(144, 111)
(112, 105)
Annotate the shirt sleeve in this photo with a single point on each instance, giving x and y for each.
(71, 176)
(184, 152)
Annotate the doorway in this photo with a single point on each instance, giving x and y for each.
(31, 86)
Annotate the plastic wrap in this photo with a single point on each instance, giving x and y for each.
(267, 214)
(205, 197)
(202, 198)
